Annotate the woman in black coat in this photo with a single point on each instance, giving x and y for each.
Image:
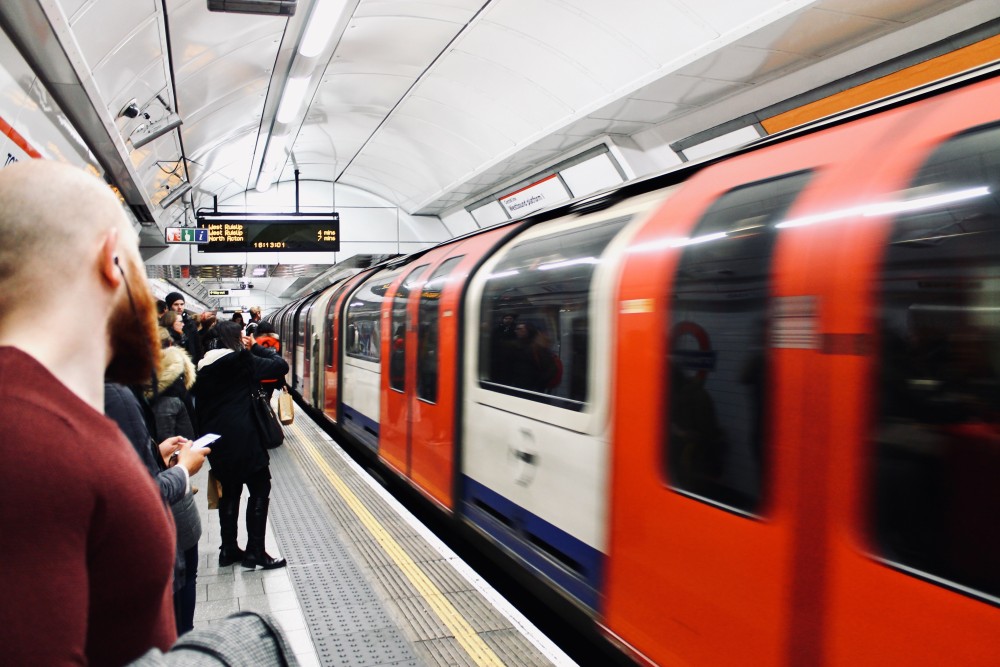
(226, 377)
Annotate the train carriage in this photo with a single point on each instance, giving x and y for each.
(747, 412)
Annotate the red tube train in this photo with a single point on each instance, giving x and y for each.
(747, 412)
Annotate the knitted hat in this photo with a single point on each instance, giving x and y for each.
(173, 296)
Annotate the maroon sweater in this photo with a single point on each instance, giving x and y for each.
(86, 545)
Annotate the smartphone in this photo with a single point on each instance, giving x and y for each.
(205, 440)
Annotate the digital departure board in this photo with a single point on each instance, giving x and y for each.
(270, 232)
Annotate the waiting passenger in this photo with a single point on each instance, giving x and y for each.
(174, 324)
(171, 464)
(175, 301)
(268, 337)
(254, 322)
(226, 377)
(88, 548)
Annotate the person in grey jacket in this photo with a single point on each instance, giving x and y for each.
(124, 407)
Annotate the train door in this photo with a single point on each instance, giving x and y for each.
(333, 338)
(396, 376)
(701, 550)
(432, 399)
(363, 330)
(537, 341)
(317, 350)
(300, 370)
(915, 430)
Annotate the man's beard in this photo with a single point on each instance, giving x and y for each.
(135, 340)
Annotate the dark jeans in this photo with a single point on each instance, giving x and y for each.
(184, 597)
(259, 484)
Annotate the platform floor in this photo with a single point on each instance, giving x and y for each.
(366, 584)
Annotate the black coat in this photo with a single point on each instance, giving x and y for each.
(223, 405)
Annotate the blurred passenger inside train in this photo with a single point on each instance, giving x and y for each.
(226, 377)
(175, 301)
(268, 337)
(88, 545)
(529, 359)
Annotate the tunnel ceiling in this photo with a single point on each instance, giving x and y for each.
(431, 104)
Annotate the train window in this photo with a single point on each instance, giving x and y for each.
(535, 332)
(718, 371)
(397, 346)
(937, 432)
(427, 332)
(363, 335)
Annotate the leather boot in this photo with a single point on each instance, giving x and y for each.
(229, 515)
(256, 524)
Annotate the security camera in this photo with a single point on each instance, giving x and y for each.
(130, 110)
(250, 286)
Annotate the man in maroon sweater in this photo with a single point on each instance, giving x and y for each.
(86, 546)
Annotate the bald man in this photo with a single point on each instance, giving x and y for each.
(86, 545)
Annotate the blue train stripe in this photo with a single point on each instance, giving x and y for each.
(574, 566)
(361, 426)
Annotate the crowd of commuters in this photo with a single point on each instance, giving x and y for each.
(98, 523)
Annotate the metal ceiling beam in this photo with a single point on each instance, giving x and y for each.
(40, 32)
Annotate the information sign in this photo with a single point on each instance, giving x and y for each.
(185, 235)
(218, 292)
(263, 232)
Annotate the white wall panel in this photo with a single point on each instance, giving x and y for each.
(595, 174)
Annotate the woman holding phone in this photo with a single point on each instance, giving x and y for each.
(227, 376)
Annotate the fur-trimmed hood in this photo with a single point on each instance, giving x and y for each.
(176, 363)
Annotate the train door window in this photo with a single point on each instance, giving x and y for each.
(535, 329)
(397, 345)
(331, 312)
(937, 431)
(717, 366)
(363, 330)
(427, 330)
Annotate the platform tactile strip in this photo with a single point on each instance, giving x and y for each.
(354, 630)
(361, 608)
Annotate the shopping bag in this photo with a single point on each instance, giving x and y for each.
(286, 408)
(214, 491)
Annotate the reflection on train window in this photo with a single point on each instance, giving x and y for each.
(535, 332)
(427, 333)
(363, 328)
(397, 345)
(937, 437)
(718, 368)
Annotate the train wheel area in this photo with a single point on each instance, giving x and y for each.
(366, 583)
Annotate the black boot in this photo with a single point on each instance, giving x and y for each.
(256, 523)
(229, 514)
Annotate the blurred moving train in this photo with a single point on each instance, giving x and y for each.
(747, 412)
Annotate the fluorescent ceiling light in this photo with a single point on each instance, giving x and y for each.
(156, 130)
(292, 99)
(320, 28)
(265, 180)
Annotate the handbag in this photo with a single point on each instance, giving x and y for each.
(271, 434)
(286, 408)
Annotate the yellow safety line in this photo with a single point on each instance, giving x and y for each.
(473, 644)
